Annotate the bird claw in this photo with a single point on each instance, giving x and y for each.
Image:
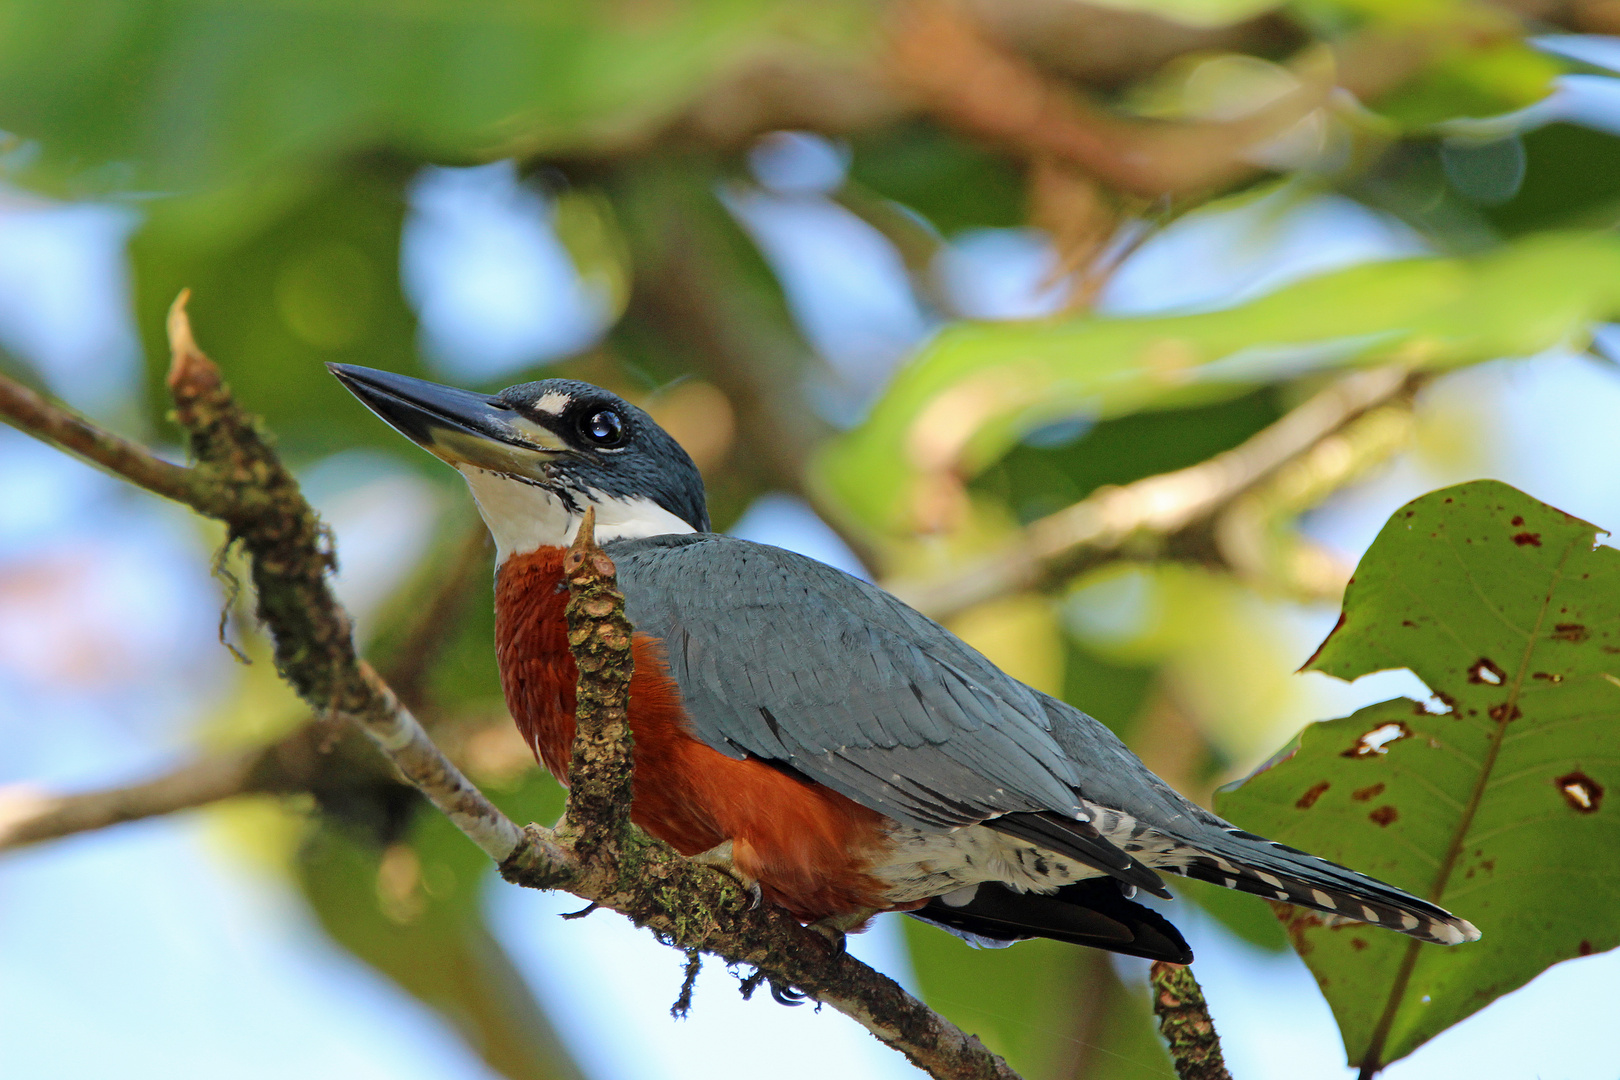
(836, 937)
(720, 858)
(836, 928)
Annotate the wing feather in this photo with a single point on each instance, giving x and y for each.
(863, 693)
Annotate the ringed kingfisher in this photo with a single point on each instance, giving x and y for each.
(835, 749)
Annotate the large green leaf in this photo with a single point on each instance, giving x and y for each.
(977, 388)
(1494, 808)
(182, 94)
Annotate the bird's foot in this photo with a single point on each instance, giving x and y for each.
(720, 858)
(836, 928)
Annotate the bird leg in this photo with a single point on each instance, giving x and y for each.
(836, 927)
(720, 858)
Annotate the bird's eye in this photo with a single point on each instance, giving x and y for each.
(604, 428)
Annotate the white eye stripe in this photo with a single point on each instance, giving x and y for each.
(552, 403)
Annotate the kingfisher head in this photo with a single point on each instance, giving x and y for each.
(537, 454)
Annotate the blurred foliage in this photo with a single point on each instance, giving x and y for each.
(1049, 1013)
(1571, 180)
(953, 184)
(189, 94)
(977, 388)
(1503, 607)
(295, 274)
(411, 909)
(1468, 81)
(1064, 462)
(271, 147)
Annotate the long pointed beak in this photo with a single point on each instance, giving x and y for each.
(455, 426)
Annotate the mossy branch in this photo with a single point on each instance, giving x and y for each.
(601, 766)
(1184, 1019)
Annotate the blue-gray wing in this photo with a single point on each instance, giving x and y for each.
(787, 659)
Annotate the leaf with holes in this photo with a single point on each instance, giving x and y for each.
(1494, 808)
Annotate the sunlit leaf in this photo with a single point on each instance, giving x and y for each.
(1197, 12)
(1495, 809)
(1473, 80)
(977, 388)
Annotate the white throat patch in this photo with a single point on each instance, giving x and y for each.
(524, 518)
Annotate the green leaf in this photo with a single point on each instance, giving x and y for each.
(1198, 12)
(1471, 80)
(1495, 809)
(979, 387)
(1572, 178)
(182, 94)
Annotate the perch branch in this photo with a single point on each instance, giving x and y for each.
(30, 412)
(239, 480)
(603, 759)
(1178, 1001)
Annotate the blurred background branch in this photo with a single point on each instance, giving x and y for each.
(1176, 512)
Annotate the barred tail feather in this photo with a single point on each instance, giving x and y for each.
(1252, 864)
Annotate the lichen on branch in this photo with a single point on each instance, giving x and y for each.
(1184, 1019)
(600, 770)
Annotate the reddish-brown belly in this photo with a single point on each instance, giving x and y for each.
(808, 846)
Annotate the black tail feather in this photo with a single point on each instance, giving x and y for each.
(1092, 912)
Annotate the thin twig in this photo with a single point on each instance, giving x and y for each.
(1255, 532)
(1160, 506)
(1184, 1020)
(28, 411)
(312, 757)
(27, 817)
